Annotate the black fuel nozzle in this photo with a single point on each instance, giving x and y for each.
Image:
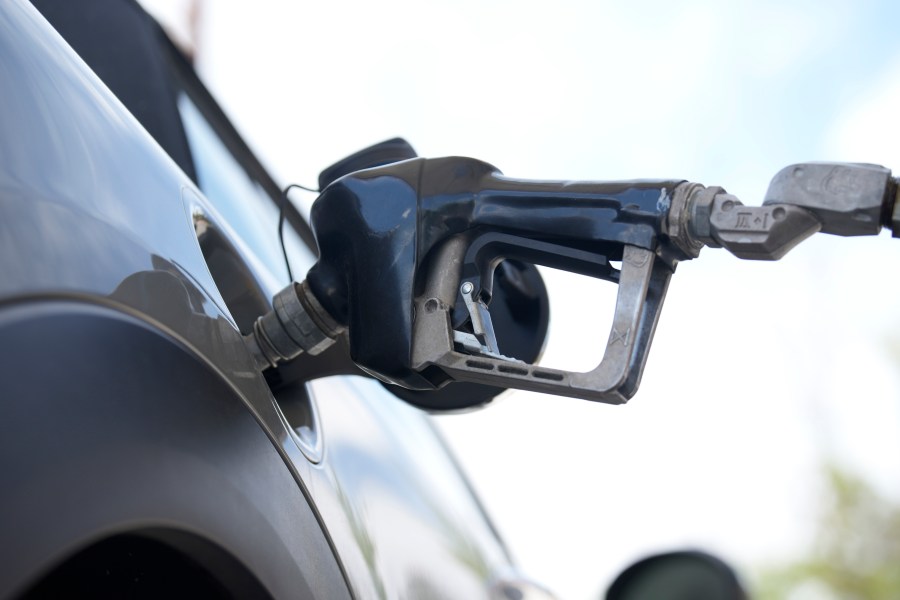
(393, 241)
(408, 254)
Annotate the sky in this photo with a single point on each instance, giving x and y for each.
(759, 373)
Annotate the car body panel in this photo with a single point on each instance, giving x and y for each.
(92, 453)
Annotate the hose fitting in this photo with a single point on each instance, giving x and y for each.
(296, 324)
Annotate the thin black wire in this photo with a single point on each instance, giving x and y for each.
(281, 207)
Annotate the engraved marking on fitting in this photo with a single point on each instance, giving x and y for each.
(636, 260)
(617, 336)
(743, 221)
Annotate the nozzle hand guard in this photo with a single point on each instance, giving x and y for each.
(439, 352)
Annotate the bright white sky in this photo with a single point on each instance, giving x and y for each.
(759, 371)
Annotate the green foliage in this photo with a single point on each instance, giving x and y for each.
(856, 550)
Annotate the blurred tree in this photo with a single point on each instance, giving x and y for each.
(856, 549)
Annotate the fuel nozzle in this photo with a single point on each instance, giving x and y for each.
(408, 253)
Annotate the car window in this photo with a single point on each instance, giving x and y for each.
(241, 200)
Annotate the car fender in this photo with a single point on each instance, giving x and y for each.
(109, 424)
